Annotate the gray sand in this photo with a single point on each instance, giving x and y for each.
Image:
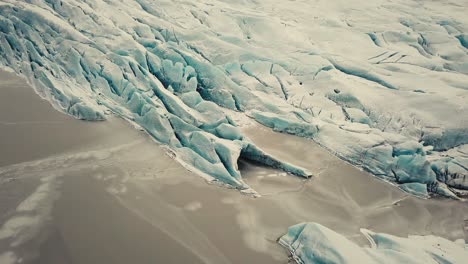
(109, 194)
(349, 198)
(31, 128)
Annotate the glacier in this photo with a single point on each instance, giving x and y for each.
(386, 92)
(314, 243)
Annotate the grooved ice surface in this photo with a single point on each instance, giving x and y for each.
(386, 91)
(314, 243)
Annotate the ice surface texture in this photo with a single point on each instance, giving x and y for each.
(314, 243)
(387, 92)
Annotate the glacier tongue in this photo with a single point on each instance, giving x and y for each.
(387, 92)
(85, 66)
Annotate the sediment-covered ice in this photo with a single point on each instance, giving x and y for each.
(386, 91)
(314, 243)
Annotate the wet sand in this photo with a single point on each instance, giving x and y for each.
(109, 194)
(344, 193)
(103, 192)
(31, 128)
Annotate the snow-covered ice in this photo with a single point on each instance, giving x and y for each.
(381, 84)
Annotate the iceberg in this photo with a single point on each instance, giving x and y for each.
(314, 243)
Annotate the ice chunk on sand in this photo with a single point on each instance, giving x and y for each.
(314, 243)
